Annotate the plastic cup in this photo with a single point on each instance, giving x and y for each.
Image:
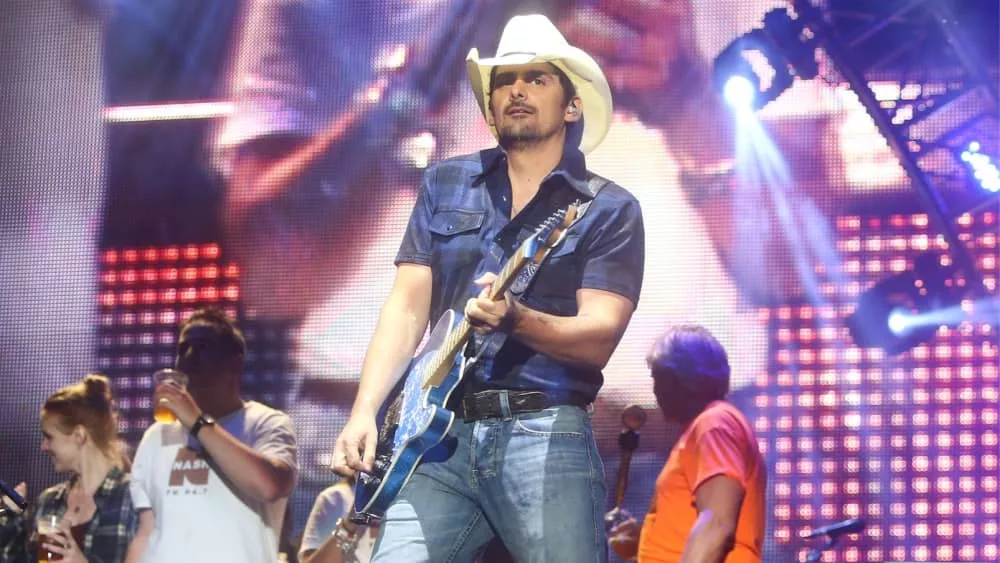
(46, 526)
(161, 413)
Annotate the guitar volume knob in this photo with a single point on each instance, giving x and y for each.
(367, 479)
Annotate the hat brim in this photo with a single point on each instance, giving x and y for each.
(582, 70)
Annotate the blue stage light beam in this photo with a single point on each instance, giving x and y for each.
(763, 174)
(903, 321)
(982, 166)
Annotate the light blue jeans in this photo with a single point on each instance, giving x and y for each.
(534, 479)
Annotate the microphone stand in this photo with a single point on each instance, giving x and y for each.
(816, 553)
(831, 533)
(633, 417)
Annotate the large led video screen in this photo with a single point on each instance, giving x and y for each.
(264, 156)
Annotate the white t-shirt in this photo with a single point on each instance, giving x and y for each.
(332, 504)
(200, 515)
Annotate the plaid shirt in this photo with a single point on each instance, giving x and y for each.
(108, 533)
(461, 228)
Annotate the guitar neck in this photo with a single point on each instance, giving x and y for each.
(441, 363)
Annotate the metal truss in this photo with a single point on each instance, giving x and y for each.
(927, 89)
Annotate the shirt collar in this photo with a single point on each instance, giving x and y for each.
(111, 480)
(572, 168)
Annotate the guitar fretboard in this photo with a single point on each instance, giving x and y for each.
(440, 364)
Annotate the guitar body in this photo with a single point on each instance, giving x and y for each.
(423, 423)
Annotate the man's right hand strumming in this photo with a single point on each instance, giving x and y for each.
(354, 449)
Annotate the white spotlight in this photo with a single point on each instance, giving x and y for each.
(899, 321)
(739, 92)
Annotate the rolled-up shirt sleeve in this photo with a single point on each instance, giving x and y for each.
(272, 88)
(615, 254)
(417, 245)
(295, 63)
(275, 438)
(719, 447)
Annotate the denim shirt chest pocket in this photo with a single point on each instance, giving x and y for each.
(457, 234)
(553, 289)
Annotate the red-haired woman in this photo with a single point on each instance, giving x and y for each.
(97, 520)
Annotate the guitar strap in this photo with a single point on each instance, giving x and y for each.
(478, 345)
(594, 185)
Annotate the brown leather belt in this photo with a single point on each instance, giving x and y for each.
(489, 403)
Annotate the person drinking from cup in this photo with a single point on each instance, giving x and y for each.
(212, 485)
(90, 517)
(162, 412)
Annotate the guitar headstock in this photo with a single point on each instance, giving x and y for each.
(549, 234)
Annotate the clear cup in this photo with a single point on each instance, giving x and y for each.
(161, 413)
(46, 526)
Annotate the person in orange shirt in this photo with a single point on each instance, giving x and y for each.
(709, 501)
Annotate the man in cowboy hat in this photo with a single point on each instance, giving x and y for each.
(299, 66)
(520, 461)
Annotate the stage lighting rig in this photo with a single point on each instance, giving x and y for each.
(785, 44)
(880, 319)
(926, 72)
(982, 166)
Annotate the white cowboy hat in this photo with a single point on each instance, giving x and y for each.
(534, 39)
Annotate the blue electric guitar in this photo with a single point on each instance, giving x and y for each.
(418, 420)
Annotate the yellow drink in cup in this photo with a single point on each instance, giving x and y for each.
(162, 413)
(46, 526)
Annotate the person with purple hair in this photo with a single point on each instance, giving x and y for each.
(709, 503)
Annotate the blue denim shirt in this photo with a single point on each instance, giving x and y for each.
(461, 228)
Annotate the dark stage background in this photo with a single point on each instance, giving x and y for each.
(121, 127)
